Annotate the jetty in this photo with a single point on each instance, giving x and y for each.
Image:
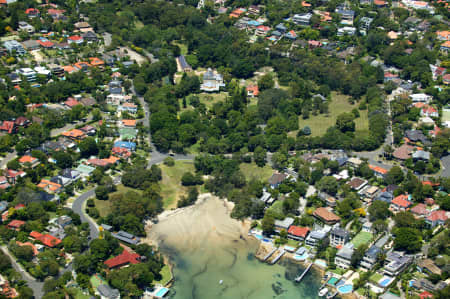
(282, 252)
(299, 278)
(269, 254)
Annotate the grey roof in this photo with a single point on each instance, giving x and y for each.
(108, 292)
(415, 135)
(183, 62)
(340, 232)
(209, 75)
(382, 241)
(345, 252)
(126, 237)
(373, 252)
(106, 227)
(385, 196)
(31, 43)
(3, 206)
(317, 234)
(421, 155)
(286, 223)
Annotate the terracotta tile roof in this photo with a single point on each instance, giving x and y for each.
(298, 231)
(446, 44)
(46, 184)
(402, 201)
(32, 11)
(96, 61)
(71, 102)
(123, 259)
(111, 160)
(16, 224)
(47, 240)
(420, 209)
(254, 89)
(7, 126)
(439, 215)
(425, 295)
(46, 44)
(69, 68)
(378, 169)
(75, 38)
(326, 215)
(129, 122)
(27, 159)
(75, 133)
(403, 152)
(121, 152)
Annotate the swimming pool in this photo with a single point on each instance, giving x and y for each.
(385, 281)
(321, 263)
(259, 237)
(302, 257)
(266, 240)
(161, 292)
(332, 281)
(345, 289)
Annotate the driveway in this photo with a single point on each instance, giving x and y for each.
(67, 127)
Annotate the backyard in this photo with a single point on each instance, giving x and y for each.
(171, 188)
(339, 104)
(166, 275)
(252, 171)
(362, 238)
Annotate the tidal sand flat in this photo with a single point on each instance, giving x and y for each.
(207, 247)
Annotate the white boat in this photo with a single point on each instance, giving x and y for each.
(221, 281)
(323, 292)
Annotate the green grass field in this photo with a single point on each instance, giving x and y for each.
(251, 170)
(375, 278)
(171, 188)
(166, 276)
(362, 238)
(339, 104)
(445, 116)
(104, 206)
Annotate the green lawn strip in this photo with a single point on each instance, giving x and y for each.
(171, 188)
(251, 170)
(166, 276)
(361, 238)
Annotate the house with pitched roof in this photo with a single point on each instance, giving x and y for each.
(401, 203)
(16, 224)
(74, 134)
(29, 161)
(437, 218)
(298, 233)
(125, 258)
(46, 239)
(326, 216)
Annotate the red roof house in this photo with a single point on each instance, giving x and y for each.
(252, 91)
(425, 295)
(420, 210)
(47, 240)
(123, 259)
(401, 203)
(326, 216)
(121, 152)
(71, 102)
(32, 12)
(16, 224)
(8, 126)
(298, 233)
(437, 218)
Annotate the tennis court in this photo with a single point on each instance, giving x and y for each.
(362, 238)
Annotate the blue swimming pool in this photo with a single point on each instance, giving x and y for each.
(385, 282)
(162, 292)
(320, 263)
(259, 237)
(345, 289)
(301, 257)
(266, 240)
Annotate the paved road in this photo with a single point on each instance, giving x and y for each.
(9, 157)
(35, 285)
(78, 207)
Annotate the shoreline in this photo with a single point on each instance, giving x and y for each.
(207, 225)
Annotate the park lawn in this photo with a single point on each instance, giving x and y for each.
(171, 188)
(251, 170)
(103, 207)
(339, 104)
(209, 99)
(80, 295)
(362, 238)
(166, 275)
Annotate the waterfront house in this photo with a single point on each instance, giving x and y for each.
(298, 233)
(343, 257)
(123, 259)
(316, 236)
(126, 237)
(339, 237)
(371, 257)
(283, 224)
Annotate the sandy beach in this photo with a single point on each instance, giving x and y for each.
(212, 256)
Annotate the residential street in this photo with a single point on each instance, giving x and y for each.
(35, 285)
(56, 132)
